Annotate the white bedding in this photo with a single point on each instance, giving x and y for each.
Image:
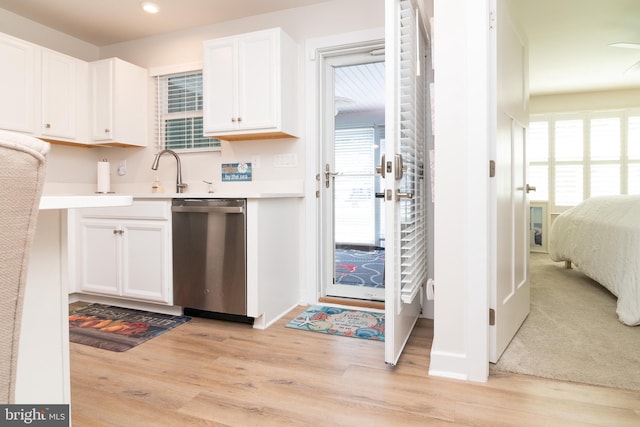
(601, 237)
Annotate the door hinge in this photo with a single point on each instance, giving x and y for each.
(492, 19)
(492, 168)
(492, 317)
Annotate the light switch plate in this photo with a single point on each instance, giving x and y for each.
(288, 160)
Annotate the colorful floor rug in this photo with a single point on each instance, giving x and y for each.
(339, 321)
(116, 328)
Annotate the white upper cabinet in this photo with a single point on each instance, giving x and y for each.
(249, 84)
(118, 98)
(17, 84)
(64, 97)
(60, 98)
(44, 93)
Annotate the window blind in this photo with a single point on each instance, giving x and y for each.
(179, 113)
(413, 225)
(354, 201)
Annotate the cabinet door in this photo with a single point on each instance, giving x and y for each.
(101, 78)
(219, 85)
(17, 85)
(257, 81)
(100, 254)
(59, 95)
(146, 260)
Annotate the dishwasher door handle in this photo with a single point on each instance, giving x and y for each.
(209, 209)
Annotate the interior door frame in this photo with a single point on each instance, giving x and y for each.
(314, 49)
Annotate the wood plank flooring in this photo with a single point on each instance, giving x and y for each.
(215, 373)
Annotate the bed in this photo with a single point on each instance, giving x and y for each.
(601, 236)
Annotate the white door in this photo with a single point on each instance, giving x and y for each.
(17, 84)
(257, 80)
(510, 293)
(219, 78)
(353, 228)
(59, 95)
(145, 266)
(100, 256)
(102, 93)
(405, 170)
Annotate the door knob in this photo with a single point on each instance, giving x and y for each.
(529, 188)
(400, 195)
(328, 174)
(380, 169)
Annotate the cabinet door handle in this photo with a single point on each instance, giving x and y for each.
(47, 125)
(107, 131)
(239, 119)
(233, 119)
(120, 232)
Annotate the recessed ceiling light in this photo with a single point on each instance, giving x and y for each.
(149, 7)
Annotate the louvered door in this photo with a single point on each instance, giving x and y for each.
(405, 178)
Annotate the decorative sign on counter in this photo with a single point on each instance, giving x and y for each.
(236, 172)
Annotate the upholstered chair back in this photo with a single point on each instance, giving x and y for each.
(22, 169)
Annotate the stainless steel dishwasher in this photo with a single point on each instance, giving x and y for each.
(209, 256)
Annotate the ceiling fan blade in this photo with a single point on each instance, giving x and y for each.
(626, 45)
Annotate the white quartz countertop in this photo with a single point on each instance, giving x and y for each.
(67, 201)
(221, 195)
(196, 190)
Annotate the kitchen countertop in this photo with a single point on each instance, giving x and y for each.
(221, 195)
(71, 201)
(197, 190)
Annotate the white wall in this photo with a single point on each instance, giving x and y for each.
(461, 60)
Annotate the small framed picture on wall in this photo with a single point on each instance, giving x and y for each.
(538, 233)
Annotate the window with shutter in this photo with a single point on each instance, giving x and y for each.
(633, 155)
(179, 113)
(538, 157)
(573, 157)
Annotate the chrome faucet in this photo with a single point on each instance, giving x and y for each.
(180, 187)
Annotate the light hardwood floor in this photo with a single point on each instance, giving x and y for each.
(214, 373)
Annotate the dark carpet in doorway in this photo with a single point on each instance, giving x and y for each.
(360, 266)
(118, 329)
(341, 321)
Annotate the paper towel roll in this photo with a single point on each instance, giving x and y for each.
(104, 185)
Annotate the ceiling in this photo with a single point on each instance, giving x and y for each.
(105, 22)
(568, 39)
(568, 44)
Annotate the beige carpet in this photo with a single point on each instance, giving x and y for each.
(572, 332)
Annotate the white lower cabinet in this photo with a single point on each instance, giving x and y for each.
(125, 252)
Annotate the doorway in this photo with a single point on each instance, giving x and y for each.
(352, 226)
